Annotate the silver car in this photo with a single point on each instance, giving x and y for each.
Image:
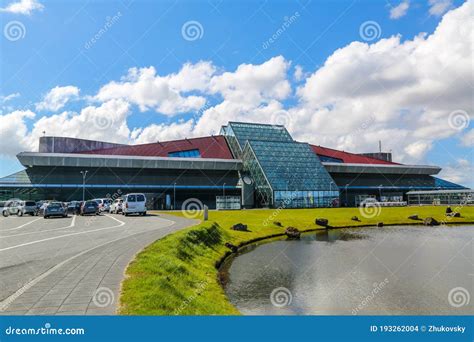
(28, 207)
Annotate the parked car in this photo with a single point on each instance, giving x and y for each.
(89, 208)
(55, 209)
(104, 203)
(28, 207)
(74, 207)
(134, 204)
(116, 206)
(11, 207)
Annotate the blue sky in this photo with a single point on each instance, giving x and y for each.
(56, 50)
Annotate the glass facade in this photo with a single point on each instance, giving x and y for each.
(286, 173)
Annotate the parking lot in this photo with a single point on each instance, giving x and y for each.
(71, 265)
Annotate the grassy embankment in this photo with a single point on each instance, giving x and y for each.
(178, 274)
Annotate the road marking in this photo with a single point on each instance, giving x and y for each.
(73, 223)
(9, 300)
(61, 236)
(23, 225)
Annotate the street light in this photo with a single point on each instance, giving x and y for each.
(84, 173)
(380, 192)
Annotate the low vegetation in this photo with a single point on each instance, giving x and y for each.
(178, 275)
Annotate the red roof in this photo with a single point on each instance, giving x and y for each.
(216, 147)
(347, 157)
(209, 147)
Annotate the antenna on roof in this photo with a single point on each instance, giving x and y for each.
(380, 146)
(44, 133)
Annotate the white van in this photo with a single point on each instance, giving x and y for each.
(134, 204)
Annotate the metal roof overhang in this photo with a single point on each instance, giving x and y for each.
(381, 168)
(30, 159)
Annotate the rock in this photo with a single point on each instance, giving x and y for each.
(355, 218)
(449, 210)
(413, 217)
(454, 214)
(240, 227)
(232, 247)
(292, 233)
(276, 223)
(379, 224)
(429, 221)
(321, 222)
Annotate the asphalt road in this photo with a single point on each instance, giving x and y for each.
(74, 265)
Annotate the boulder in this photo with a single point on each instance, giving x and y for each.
(355, 218)
(278, 224)
(449, 210)
(240, 227)
(429, 221)
(321, 222)
(413, 217)
(379, 224)
(232, 247)
(292, 233)
(456, 214)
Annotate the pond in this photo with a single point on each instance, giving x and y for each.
(400, 270)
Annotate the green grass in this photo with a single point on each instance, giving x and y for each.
(178, 274)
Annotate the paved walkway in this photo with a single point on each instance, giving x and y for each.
(88, 282)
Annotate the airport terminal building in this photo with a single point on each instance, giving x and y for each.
(247, 165)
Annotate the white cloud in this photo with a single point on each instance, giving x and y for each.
(409, 88)
(9, 97)
(57, 98)
(468, 138)
(459, 172)
(26, 7)
(164, 94)
(250, 93)
(105, 122)
(14, 132)
(299, 74)
(400, 10)
(439, 7)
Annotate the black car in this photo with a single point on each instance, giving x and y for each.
(74, 207)
(90, 208)
(55, 209)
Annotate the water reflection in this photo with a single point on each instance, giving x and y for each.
(341, 272)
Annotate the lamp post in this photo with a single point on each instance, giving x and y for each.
(174, 196)
(84, 173)
(380, 192)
